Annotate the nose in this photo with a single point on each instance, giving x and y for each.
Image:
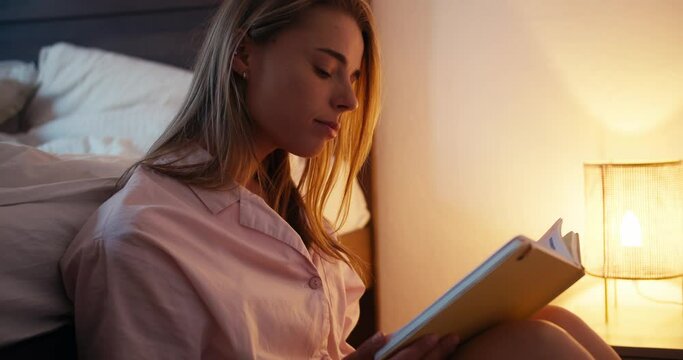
(345, 98)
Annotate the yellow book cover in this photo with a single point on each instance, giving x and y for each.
(517, 280)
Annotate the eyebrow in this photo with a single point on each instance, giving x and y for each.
(340, 57)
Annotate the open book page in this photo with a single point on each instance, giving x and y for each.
(566, 246)
(571, 241)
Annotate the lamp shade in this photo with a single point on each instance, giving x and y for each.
(634, 220)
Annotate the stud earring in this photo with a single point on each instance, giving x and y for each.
(244, 75)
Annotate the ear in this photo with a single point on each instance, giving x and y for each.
(242, 56)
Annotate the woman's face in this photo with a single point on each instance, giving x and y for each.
(300, 82)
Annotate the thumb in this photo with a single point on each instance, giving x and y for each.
(369, 347)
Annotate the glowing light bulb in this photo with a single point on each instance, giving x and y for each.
(630, 230)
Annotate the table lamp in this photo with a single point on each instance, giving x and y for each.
(634, 221)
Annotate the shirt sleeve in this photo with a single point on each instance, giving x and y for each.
(132, 300)
(354, 289)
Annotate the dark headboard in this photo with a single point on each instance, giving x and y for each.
(168, 31)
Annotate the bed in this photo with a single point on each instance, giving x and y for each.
(85, 87)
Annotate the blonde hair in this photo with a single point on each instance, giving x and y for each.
(214, 116)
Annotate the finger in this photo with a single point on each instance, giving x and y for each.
(444, 348)
(417, 349)
(368, 348)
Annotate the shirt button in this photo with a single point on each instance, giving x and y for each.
(315, 283)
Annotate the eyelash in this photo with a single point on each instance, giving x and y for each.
(325, 75)
(322, 73)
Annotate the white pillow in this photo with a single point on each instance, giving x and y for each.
(23, 72)
(91, 145)
(44, 201)
(77, 80)
(139, 125)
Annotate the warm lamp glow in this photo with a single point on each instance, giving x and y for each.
(634, 220)
(630, 231)
(624, 69)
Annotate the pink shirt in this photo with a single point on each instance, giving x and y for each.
(164, 270)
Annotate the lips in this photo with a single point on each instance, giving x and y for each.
(331, 124)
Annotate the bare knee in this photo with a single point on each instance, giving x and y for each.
(562, 318)
(555, 314)
(578, 329)
(526, 339)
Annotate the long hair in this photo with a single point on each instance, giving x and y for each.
(214, 116)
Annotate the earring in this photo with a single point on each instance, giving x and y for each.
(244, 75)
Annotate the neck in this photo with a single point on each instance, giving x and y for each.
(253, 186)
(262, 147)
(261, 151)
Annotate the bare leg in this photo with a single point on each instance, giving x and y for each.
(526, 339)
(578, 330)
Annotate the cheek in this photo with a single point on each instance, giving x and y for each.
(282, 98)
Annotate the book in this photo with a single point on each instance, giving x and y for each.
(516, 281)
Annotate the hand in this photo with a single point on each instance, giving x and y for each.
(428, 347)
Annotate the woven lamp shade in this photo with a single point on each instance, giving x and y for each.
(634, 220)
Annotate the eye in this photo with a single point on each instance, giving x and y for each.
(322, 73)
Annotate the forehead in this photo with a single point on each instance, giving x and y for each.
(329, 28)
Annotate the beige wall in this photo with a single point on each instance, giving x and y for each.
(491, 108)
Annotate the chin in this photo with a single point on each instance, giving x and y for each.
(307, 151)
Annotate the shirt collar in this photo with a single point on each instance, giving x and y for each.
(214, 200)
(217, 200)
(254, 212)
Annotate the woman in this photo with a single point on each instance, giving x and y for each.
(209, 250)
